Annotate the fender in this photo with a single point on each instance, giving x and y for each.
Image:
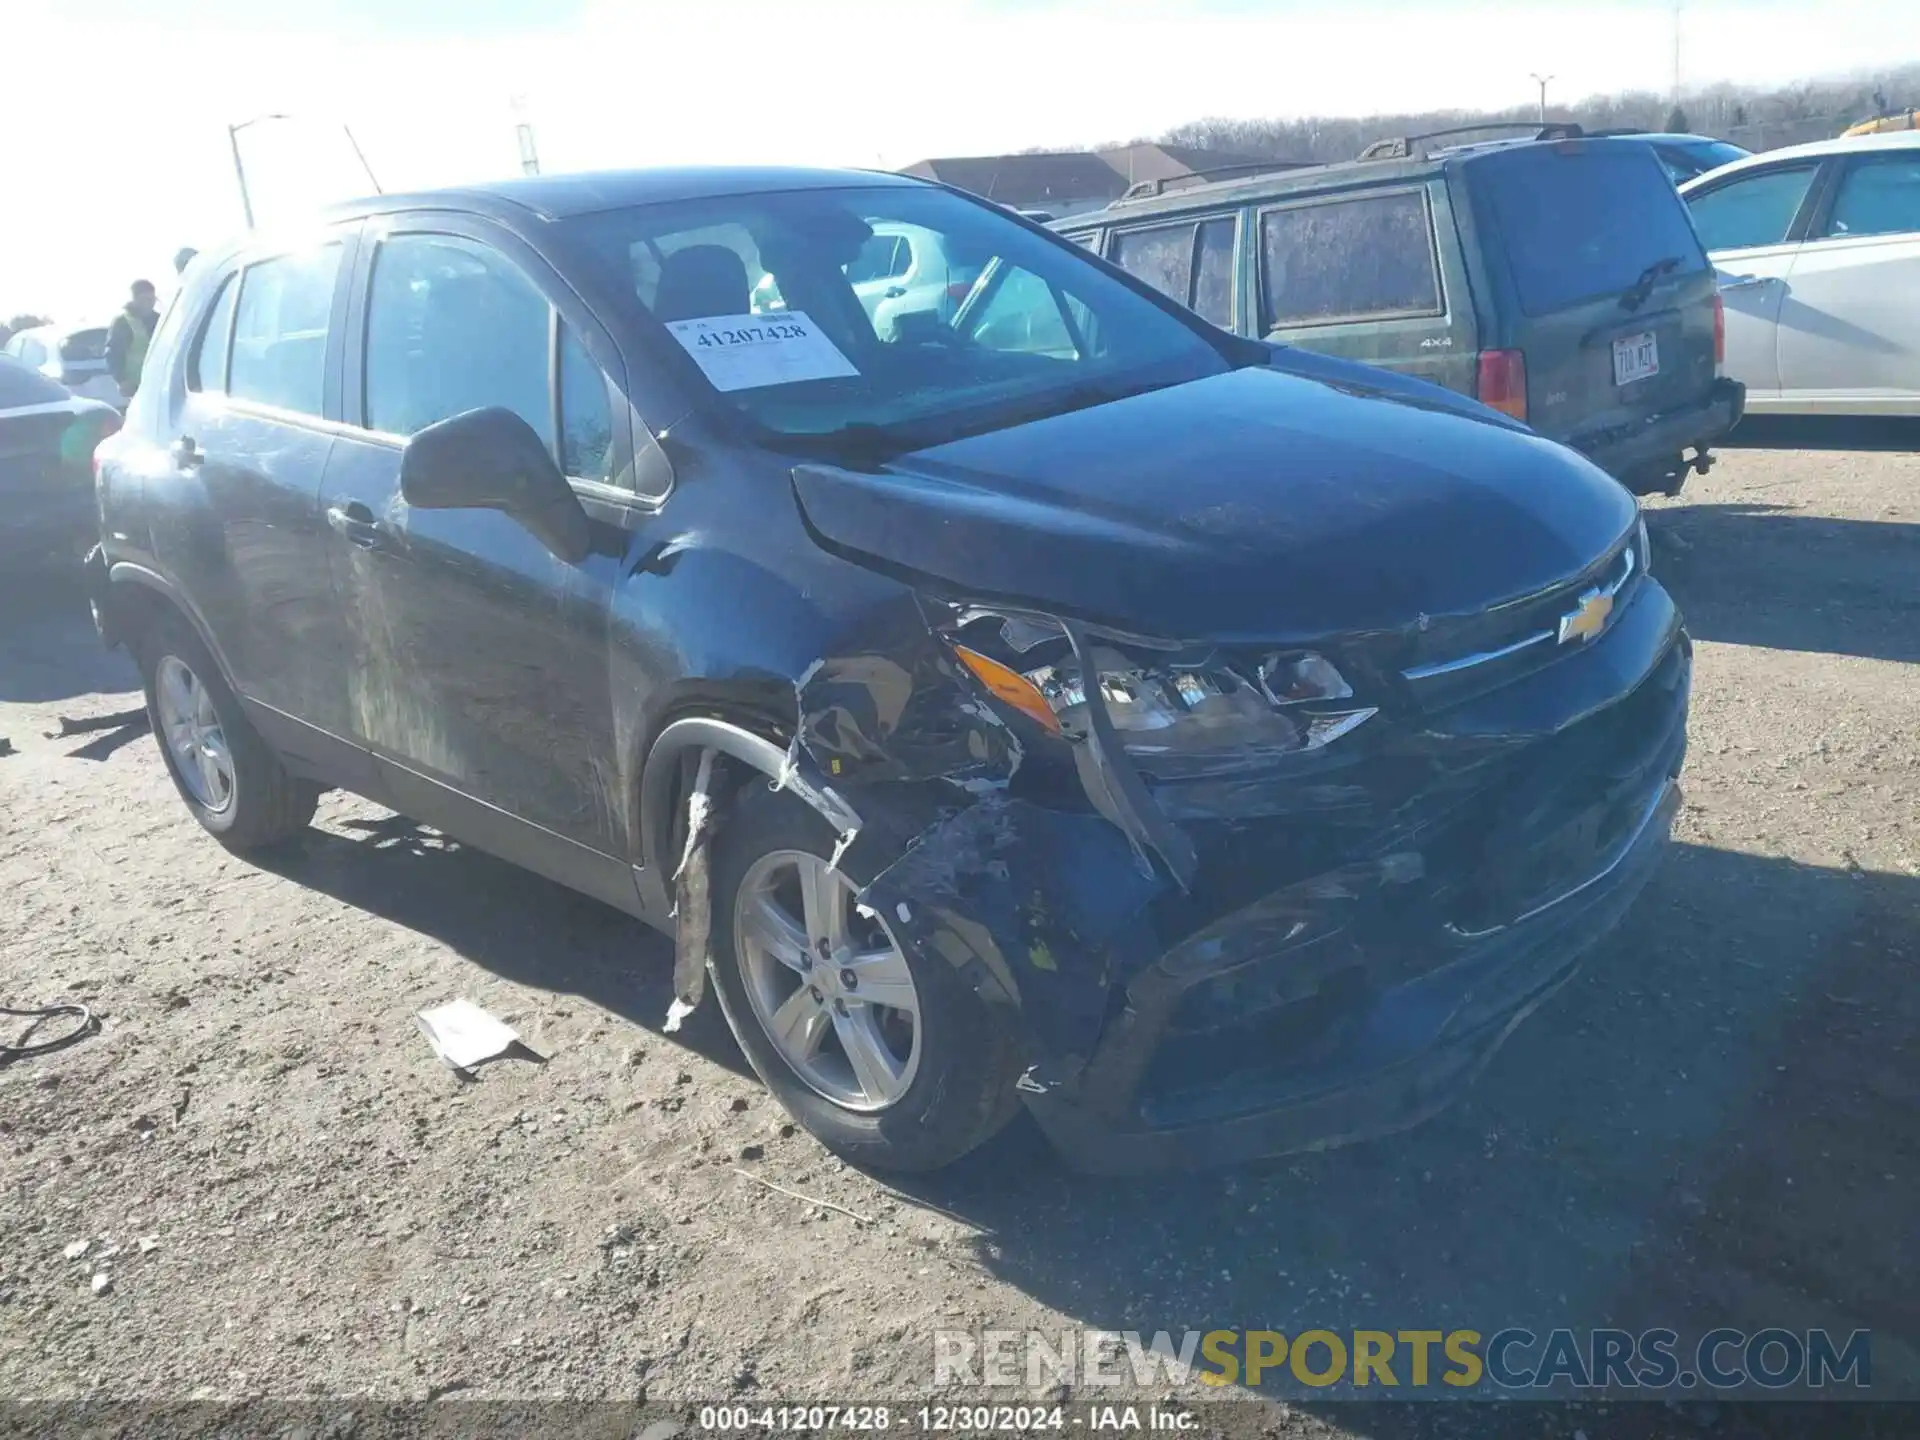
(789, 768)
(118, 628)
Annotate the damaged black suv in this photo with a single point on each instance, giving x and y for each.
(1032, 696)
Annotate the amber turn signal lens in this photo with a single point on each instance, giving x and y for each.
(1010, 686)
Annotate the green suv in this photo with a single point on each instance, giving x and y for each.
(1557, 279)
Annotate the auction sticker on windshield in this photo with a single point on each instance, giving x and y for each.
(745, 352)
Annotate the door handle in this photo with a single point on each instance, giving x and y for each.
(1744, 282)
(355, 522)
(185, 453)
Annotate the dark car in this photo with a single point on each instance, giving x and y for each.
(47, 438)
(1216, 747)
(1558, 281)
(1684, 157)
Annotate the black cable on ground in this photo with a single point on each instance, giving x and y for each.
(25, 1046)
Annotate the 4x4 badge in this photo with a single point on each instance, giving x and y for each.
(1587, 619)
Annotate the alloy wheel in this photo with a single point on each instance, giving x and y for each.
(190, 728)
(827, 982)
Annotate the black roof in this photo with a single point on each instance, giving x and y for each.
(555, 197)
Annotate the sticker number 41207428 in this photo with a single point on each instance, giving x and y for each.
(745, 352)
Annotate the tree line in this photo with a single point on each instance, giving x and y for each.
(1754, 116)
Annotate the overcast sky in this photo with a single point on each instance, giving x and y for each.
(117, 153)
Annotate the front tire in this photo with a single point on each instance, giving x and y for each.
(890, 1061)
(231, 782)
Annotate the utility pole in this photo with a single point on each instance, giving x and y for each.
(239, 167)
(523, 133)
(1541, 81)
(1678, 6)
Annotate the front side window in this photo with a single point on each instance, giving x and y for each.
(1364, 257)
(1751, 211)
(1878, 196)
(754, 293)
(279, 347)
(207, 370)
(453, 326)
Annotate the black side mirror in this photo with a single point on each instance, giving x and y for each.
(492, 460)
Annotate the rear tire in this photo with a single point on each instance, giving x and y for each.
(231, 782)
(944, 1081)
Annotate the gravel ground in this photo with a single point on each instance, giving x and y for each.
(288, 1195)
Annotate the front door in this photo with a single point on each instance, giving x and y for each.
(480, 674)
(1750, 224)
(1850, 324)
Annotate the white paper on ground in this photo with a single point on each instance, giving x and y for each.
(745, 352)
(464, 1035)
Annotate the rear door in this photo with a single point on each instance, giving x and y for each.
(246, 430)
(1193, 259)
(1751, 223)
(1363, 274)
(1599, 283)
(1850, 322)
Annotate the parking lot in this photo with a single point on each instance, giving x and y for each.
(1717, 1123)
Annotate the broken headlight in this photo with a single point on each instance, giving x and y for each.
(1208, 711)
(1175, 711)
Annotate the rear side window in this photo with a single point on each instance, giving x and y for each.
(32, 352)
(279, 351)
(1751, 211)
(453, 326)
(1191, 262)
(1363, 257)
(1582, 221)
(207, 370)
(1880, 196)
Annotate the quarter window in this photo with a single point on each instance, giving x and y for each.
(452, 327)
(208, 368)
(279, 347)
(1024, 315)
(1365, 258)
(1879, 196)
(586, 422)
(1191, 262)
(884, 257)
(1753, 210)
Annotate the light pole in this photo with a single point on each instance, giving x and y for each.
(240, 170)
(239, 167)
(1541, 81)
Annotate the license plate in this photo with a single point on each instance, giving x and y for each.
(1635, 357)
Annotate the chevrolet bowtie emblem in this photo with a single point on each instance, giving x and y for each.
(1586, 619)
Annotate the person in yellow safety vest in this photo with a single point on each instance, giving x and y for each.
(129, 336)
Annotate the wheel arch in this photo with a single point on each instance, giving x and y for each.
(127, 623)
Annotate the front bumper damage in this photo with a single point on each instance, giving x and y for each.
(1266, 967)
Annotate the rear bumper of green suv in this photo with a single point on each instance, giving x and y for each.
(1650, 457)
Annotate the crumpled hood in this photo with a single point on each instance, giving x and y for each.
(1256, 505)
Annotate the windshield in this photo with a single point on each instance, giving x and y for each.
(1584, 220)
(893, 316)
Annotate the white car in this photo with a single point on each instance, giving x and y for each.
(77, 358)
(902, 270)
(1818, 249)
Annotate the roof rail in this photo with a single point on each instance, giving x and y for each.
(1400, 147)
(1147, 189)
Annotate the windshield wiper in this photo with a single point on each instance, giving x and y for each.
(1636, 294)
